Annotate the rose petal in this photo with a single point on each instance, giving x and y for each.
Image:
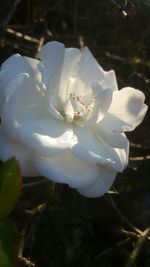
(94, 150)
(27, 103)
(89, 70)
(72, 57)
(37, 72)
(14, 65)
(102, 184)
(123, 155)
(52, 56)
(17, 64)
(79, 88)
(24, 156)
(69, 111)
(128, 105)
(48, 137)
(49, 52)
(110, 81)
(102, 103)
(66, 168)
(111, 137)
(111, 123)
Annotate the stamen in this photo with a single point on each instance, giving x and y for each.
(82, 109)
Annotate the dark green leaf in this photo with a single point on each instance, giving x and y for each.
(7, 245)
(10, 185)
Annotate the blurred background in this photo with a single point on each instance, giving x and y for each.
(55, 226)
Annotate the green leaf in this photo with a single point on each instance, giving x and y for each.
(10, 186)
(7, 245)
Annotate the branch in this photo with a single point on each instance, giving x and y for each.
(139, 158)
(111, 249)
(139, 146)
(28, 185)
(137, 249)
(22, 36)
(124, 13)
(10, 14)
(122, 216)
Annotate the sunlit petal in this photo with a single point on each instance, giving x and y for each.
(46, 137)
(102, 184)
(68, 169)
(92, 149)
(89, 70)
(128, 106)
(26, 103)
(10, 149)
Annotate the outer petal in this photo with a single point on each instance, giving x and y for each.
(66, 168)
(50, 52)
(102, 184)
(27, 103)
(12, 66)
(111, 137)
(111, 123)
(48, 137)
(89, 70)
(128, 106)
(93, 149)
(9, 149)
(37, 71)
(52, 56)
(110, 81)
(17, 64)
(123, 155)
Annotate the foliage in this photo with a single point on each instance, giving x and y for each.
(7, 245)
(10, 185)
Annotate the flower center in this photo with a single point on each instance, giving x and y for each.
(77, 108)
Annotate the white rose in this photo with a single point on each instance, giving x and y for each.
(63, 117)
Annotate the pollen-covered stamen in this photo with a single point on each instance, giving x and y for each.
(79, 100)
(77, 108)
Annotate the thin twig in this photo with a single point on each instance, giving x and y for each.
(140, 243)
(28, 185)
(81, 42)
(111, 249)
(75, 26)
(121, 215)
(26, 262)
(139, 146)
(21, 243)
(40, 44)
(22, 36)
(119, 7)
(130, 234)
(37, 210)
(10, 14)
(139, 158)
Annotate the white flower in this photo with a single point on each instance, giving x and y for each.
(63, 117)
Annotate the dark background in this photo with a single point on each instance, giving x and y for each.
(60, 227)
